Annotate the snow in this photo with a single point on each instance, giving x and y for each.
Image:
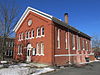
(44, 70)
(23, 69)
(17, 70)
(14, 71)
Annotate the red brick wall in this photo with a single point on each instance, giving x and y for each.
(38, 21)
(50, 41)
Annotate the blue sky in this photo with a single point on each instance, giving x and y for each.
(83, 14)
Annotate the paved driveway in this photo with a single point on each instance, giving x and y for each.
(91, 69)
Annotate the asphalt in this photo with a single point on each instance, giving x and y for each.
(89, 69)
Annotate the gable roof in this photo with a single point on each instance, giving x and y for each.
(48, 17)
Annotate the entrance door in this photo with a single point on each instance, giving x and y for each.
(29, 48)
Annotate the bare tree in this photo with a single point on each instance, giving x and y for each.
(8, 19)
(96, 43)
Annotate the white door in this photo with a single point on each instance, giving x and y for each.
(29, 48)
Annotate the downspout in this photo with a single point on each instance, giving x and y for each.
(53, 44)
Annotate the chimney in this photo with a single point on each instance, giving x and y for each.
(66, 18)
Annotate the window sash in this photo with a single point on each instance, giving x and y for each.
(73, 41)
(42, 31)
(37, 49)
(58, 39)
(38, 32)
(66, 40)
(32, 33)
(78, 42)
(42, 48)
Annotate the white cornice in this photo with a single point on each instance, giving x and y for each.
(27, 12)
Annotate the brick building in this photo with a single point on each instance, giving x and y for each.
(43, 38)
(9, 44)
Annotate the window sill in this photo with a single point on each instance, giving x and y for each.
(38, 36)
(42, 35)
(73, 48)
(32, 37)
(66, 48)
(39, 54)
(58, 48)
(19, 54)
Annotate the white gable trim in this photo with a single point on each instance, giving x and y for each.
(27, 12)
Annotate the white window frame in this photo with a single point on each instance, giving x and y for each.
(29, 34)
(87, 45)
(26, 35)
(37, 49)
(73, 42)
(78, 43)
(42, 48)
(32, 33)
(42, 32)
(12, 44)
(21, 36)
(38, 32)
(9, 43)
(58, 39)
(83, 46)
(66, 40)
(19, 49)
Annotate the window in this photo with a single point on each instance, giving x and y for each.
(58, 39)
(9, 43)
(32, 33)
(78, 42)
(26, 35)
(38, 32)
(37, 49)
(42, 48)
(29, 35)
(86, 45)
(42, 31)
(22, 36)
(19, 37)
(66, 40)
(6, 43)
(73, 41)
(12, 44)
(83, 45)
(19, 49)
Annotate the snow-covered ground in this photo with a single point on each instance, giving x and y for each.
(44, 70)
(23, 69)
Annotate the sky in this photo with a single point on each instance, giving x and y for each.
(83, 14)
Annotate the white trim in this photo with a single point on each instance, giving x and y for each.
(58, 39)
(66, 40)
(73, 41)
(27, 12)
(72, 54)
(42, 31)
(32, 34)
(38, 32)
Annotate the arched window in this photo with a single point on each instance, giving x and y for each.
(26, 35)
(38, 32)
(32, 33)
(42, 31)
